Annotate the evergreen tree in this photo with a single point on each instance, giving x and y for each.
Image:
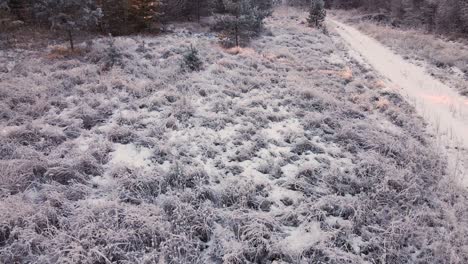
(4, 9)
(128, 16)
(21, 9)
(175, 9)
(463, 10)
(69, 15)
(265, 6)
(4, 5)
(145, 12)
(317, 13)
(217, 6)
(241, 22)
(199, 8)
(189, 9)
(446, 16)
(428, 13)
(192, 61)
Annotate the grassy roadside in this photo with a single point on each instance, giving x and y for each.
(285, 152)
(445, 59)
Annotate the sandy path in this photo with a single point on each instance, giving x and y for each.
(443, 108)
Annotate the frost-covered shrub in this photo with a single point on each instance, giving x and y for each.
(62, 175)
(122, 135)
(113, 56)
(183, 110)
(277, 161)
(17, 174)
(180, 177)
(304, 146)
(42, 139)
(192, 60)
(139, 186)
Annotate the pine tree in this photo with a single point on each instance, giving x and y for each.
(241, 22)
(463, 11)
(4, 10)
(428, 13)
(69, 15)
(446, 15)
(21, 9)
(265, 6)
(145, 12)
(192, 61)
(4, 5)
(128, 16)
(175, 9)
(317, 13)
(189, 9)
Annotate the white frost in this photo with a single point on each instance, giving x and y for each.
(302, 238)
(131, 155)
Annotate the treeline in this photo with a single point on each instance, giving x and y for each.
(110, 16)
(445, 16)
(235, 20)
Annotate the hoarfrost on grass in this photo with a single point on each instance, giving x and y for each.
(285, 151)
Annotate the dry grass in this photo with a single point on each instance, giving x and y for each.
(60, 52)
(289, 152)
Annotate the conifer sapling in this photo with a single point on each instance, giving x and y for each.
(317, 14)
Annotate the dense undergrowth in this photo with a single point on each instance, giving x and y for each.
(285, 152)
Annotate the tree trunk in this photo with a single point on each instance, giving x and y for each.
(237, 35)
(70, 39)
(126, 12)
(198, 11)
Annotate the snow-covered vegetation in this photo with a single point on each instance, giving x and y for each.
(443, 58)
(443, 16)
(286, 151)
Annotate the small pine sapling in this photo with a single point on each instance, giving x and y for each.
(317, 14)
(192, 60)
(114, 57)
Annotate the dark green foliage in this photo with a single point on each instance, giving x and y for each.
(68, 15)
(187, 9)
(435, 15)
(463, 11)
(317, 14)
(129, 16)
(4, 5)
(114, 57)
(120, 17)
(243, 20)
(192, 60)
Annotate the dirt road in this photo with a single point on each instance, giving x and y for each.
(443, 108)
